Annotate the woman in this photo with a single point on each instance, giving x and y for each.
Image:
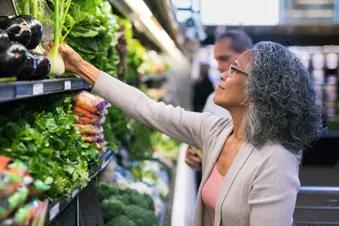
(250, 168)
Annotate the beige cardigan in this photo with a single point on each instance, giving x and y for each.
(261, 186)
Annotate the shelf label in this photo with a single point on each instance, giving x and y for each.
(54, 211)
(38, 88)
(68, 85)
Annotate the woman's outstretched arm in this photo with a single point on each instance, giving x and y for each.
(189, 127)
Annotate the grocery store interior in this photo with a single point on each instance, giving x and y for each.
(69, 157)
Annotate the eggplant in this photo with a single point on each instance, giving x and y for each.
(28, 71)
(43, 66)
(17, 29)
(4, 36)
(13, 57)
(36, 29)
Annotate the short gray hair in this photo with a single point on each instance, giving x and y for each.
(283, 106)
(240, 41)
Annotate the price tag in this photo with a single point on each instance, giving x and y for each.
(75, 193)
(38, 88)
(68, 85)
(54, 211)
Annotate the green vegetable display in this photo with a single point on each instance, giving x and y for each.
(115, 128)
(135, 52)
(47, 141)
(92, 31)
(106, 191)
(140, 216)
(126, 207)
(112, 208)
(120, 221)
(168, 146)
(141, 147)
(36, 8)
(121, 130)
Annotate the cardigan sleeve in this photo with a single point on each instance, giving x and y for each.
(274, 190)
(189, 127)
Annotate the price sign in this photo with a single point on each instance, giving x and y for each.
(68, 85)
(38, 88)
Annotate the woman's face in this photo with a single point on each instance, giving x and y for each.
(230, 92)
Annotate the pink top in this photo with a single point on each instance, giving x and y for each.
(210, 191)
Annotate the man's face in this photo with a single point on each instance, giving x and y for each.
(224, 55)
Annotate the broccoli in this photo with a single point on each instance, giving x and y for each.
(141, 216)
(120, 221)
(112, 208)
(130, 204)
(144, 201)
(132, 197)
(106, 191)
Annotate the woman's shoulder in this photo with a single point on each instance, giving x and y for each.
(277, 156)
(217, 124)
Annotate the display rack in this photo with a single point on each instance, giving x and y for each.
(57, 207)
(82, 207)
(19, 90)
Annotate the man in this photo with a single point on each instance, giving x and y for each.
(227, 48)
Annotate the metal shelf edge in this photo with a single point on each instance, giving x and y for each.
(12, 91)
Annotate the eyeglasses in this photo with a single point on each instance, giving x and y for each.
(232, 70)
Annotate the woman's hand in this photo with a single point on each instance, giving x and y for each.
(74, 63)
(192, 159)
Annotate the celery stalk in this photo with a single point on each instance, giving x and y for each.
(61, 8)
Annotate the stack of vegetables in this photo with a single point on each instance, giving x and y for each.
(126, 207)
(20, 55)
(43, 135)
(135, 52)
(165, 148)
(92, 33)
(89, 111)
(19, 194)
(122, 130)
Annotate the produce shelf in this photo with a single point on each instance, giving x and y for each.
(58, 206)
(19, 90)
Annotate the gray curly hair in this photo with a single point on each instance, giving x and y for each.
(283, 106)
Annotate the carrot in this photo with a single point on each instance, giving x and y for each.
(81, 112)
(87, 129)
(86, 107)
(85, 120)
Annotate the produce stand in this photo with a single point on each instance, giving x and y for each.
(54, 129)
